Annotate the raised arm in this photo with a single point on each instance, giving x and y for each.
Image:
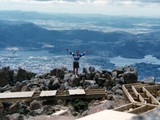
(72, 53)
(82, 54)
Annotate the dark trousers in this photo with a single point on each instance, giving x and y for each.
(75, 67)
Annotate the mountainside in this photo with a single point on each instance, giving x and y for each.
(27, 35)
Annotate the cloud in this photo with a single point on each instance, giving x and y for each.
(101, 2)
(107, 7)
(111, 1)
(157, 1)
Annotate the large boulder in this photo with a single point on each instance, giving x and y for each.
(96, 76)
(92, 70)
(88, 83)
(128, 69)
(54, 84)
(118, 70)
(90, 73)
(130, 77)
(85, 70)
(14, 108)
(118, 86)
(1, 108)
(25, 88)
(4, 76)
(74, 81)
(48, 109)
(101, 81)
(89, 76)
(17, 87)
(5, 88)
(108, 83)
(119, 80)
(67, 76)
(107, 76)
(119, 92)
(15, 116)
(58, 72)
(53, 72)
(103, 105)
(34, 105)
(24, 75)
(114, 74)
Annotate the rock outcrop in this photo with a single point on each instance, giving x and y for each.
(4, 76)
(61, 79)
(22, 75)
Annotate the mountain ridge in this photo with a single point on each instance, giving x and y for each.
(28, 35)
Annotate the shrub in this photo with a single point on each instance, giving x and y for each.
(80, 105)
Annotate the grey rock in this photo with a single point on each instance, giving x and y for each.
(64, 86)
(95, 86)
(110, 97)
(92, 69)
(14, 108)
(34, 105)
(53, 72)
(38, 111)
(89, 82)
(74, 81)
(118, 86)
(108, 83)
(85, 113)
(67, 76)
(15, 116)
(114, 74)
(24, 75)
(54, 84)
(89, 76)
(119, 70)
(60, 73)
(17, 87)
(103, 105)
(130, 77)
(119, 92)
(5, 88)
(115, 81)
(121, 80)
(25, 88)
(96, 76)
(47, 109)
(152, 115)
(85, 70)
(4, 75)
(101, 81)
(1, 108)
(107, 76)
(128, 69)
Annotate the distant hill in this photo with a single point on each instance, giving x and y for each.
(27, 35)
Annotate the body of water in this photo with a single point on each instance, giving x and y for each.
(42, 62)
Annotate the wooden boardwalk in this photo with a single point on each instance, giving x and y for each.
(52, 94)
(142, 98)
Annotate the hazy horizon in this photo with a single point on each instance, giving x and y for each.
(136, 8)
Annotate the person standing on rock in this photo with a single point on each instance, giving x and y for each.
(76, 57)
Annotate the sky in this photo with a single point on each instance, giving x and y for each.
(148, 8)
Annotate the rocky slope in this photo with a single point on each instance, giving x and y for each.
(61, 78)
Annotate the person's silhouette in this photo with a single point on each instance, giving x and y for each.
(76, 57)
